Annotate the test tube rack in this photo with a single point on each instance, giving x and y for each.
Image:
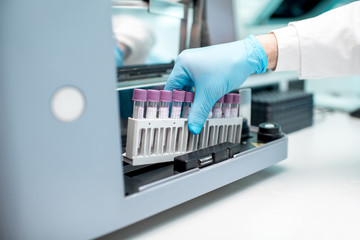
(152, 141)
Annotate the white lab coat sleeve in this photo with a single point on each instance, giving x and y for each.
(323, 46)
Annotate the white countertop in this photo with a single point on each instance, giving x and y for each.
(314, 194)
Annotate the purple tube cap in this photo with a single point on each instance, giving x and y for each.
(139, 95)
(236, 98)
(153, 95)
(165, 96)
(189, 97)
(228, 98)
(221, 100)
(178, 95)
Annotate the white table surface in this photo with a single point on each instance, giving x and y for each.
(314, 194)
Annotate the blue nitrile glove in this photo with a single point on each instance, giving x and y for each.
(215, 71)
(119, 56)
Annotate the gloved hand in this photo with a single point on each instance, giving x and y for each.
(215, 71)
(119, 56)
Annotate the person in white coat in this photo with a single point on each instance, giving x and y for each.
(134, 39)
(323, 46)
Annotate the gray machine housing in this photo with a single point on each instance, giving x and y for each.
(65, 180)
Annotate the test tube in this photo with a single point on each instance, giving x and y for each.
(165, 100)
(235, 105)
(189, 99)
(139, 98)
(153, 98)
(178, 98)
(217, 112)
(226, 107)
(164, 110)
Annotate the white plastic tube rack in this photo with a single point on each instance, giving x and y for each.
(160, 140)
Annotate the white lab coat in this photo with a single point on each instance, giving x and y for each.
(323, 46)
(136, 34)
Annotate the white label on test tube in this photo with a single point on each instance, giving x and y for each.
(234, 112)
(178, 98)
(175, 111)
(235, 105)
(165, 100)
(217, 111)
(186, 110)
(138, 112)
(189, 99)
(163, 112)
(151, 112)
(228, 99)
(227, 112)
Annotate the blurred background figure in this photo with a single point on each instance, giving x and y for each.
(134, 38)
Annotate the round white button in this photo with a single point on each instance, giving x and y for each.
(67, 104)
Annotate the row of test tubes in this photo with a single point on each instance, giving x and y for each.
(226, 107)
(152, 104)
(155, 104)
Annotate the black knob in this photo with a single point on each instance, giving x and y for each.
(269, 132)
